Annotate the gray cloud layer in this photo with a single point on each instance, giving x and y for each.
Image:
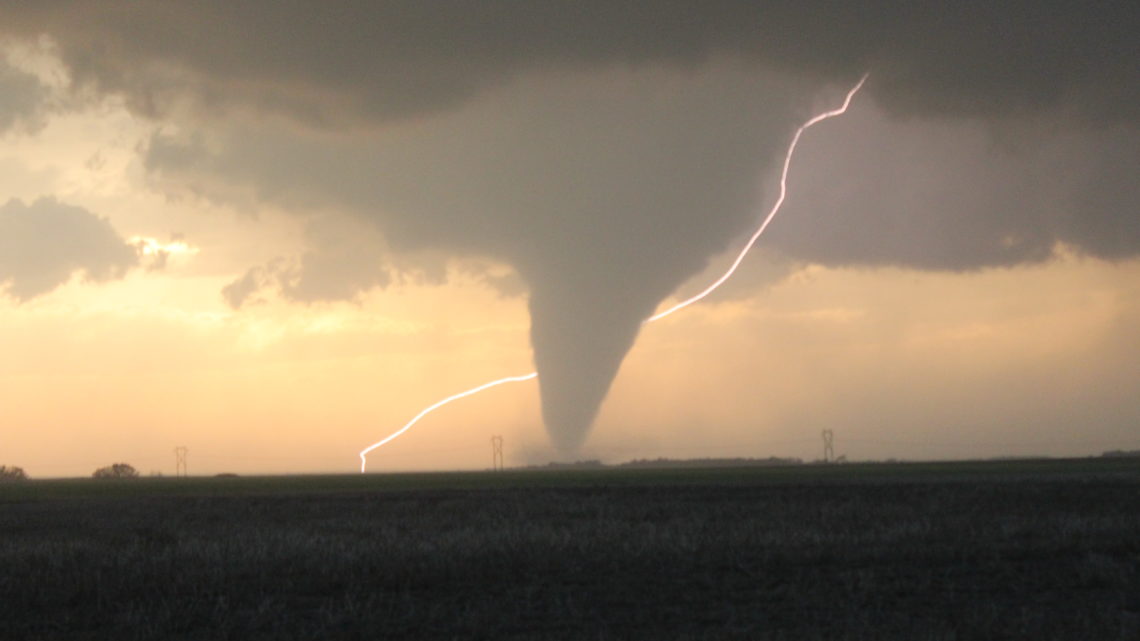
(955, 195)
(23, 100)
(608, 149)
(344, 260)
(45, 244)
(367, 59)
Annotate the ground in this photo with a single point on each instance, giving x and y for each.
(1013, 550)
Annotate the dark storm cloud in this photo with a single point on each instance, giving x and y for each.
(360, 64)
(369, 59)
(343, 260)
(23, 100)
(608, 149)
(45, 244)
(952, 195)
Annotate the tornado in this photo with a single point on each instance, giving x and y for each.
(604, 192)
(579, 340)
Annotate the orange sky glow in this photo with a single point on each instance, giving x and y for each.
(1038, 357)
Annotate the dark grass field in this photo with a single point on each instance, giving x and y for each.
(996, 550)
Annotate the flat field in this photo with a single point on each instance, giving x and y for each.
(988, 550)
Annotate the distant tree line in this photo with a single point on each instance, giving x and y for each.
(771, 461)
(1122, 454)
(117, 471)
(12, 473)
(574, 465)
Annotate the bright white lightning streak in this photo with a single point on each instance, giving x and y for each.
(432, 408)
(775, 208)
(842, 109)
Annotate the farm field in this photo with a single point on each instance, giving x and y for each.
(971, 550)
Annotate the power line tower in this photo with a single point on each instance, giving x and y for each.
(497, 453)
(828, 446)
(180, 460)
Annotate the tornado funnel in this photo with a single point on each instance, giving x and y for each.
(579, 342)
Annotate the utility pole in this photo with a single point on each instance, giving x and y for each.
(497, 453)
(828, 446)
(180, 460)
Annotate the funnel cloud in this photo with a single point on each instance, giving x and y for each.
(580, 339)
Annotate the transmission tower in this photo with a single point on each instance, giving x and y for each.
(497, 453)
(180, 460)
(828, 446)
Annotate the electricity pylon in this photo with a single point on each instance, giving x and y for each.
(180, 460)
(828, 446)
(497, 453)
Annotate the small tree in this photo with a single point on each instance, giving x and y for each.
(12, 473)
(117, 471)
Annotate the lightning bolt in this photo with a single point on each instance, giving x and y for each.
(838, 111)
(775, 207)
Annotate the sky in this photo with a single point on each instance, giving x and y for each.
(273, 232)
